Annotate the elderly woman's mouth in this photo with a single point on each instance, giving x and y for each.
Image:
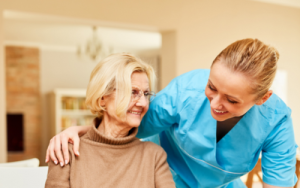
(135, 112)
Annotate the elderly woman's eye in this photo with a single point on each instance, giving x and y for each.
(135, 92)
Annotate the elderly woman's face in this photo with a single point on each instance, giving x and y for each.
(137, 108)
(229, 93)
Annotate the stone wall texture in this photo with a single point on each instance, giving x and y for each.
(23, 96)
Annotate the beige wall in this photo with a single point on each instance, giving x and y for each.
(2, 96)
(203, 28)
(168, 58)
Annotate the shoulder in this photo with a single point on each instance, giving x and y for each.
(194, 79)
(70, 148)
(71, 152)
(199, 73)
(275, 110)
(153, 149)
(186, 85)
(183, 91)
(276, 104)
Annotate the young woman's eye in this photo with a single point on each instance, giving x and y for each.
(233, 102)
(209, 86)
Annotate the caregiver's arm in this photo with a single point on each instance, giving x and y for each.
(58, 146)
(279, 155)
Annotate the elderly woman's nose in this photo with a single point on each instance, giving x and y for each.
(143, 101)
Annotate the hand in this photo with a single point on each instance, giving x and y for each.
(58, 146)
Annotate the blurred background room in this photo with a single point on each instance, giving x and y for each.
(49, 49)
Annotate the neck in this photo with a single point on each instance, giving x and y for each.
(113, 130)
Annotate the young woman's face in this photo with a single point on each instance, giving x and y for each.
(229, 92)
(137, 108)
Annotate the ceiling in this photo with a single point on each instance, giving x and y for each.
(67, 34)
(59, 33)
(291, 3)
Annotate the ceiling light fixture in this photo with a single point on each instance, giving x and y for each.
(94, 47)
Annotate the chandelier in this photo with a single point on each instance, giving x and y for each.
(94, 47)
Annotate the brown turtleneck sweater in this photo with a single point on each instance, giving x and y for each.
(113, 163)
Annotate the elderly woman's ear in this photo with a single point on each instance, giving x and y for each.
(101, 102)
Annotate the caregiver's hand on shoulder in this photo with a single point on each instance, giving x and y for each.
(58, 146)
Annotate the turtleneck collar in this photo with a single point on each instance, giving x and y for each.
(96, 136)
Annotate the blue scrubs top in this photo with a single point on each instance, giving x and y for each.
(181, 115)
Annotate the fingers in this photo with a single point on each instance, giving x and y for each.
(50, 151)
(47, 156)
(76, 141)
(64, 143)
(58, 152)
(58, 147)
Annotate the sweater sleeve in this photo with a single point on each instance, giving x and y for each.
(163, 176)
(58, 176)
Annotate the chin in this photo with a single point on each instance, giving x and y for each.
(134, 124)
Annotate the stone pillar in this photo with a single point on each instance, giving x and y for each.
(23, 96)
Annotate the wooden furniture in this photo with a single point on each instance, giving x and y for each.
(257, 169)
(254, 172)
(67, 108)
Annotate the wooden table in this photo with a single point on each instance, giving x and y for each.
(257, 169)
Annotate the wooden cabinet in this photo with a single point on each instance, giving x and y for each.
(68, 109)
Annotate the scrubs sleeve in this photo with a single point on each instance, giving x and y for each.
(162, 112)
(279, 155)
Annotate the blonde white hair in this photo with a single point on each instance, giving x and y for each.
(114, 74)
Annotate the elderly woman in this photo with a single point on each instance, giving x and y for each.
(119, 93)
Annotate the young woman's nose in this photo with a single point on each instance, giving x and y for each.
(216, 102)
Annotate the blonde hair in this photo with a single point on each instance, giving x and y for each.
(253, 58)
(114, 74)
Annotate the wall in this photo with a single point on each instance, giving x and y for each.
(3, 153)
(168, 57)
(23, 96)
